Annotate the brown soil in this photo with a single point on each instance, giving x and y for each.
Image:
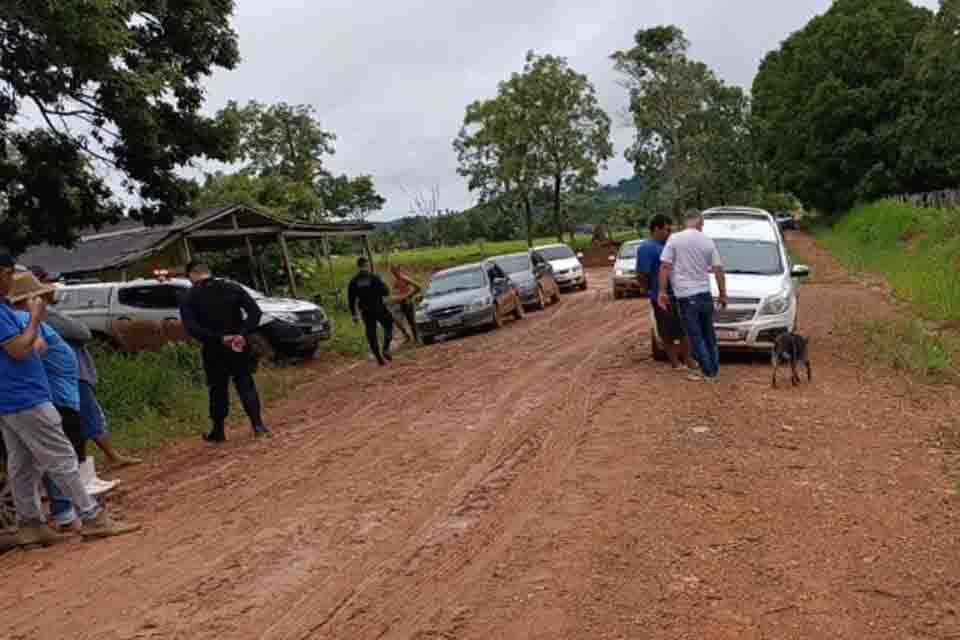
(548, 480)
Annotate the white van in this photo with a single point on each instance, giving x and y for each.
(761, 280)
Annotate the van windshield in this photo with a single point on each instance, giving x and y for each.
(751, 257)
(557, 253)
(444, 283)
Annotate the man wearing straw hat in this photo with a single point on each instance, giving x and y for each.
(31, 426)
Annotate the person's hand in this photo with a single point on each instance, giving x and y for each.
(722, 301)
(663, 301)
(37, 307)
(238, 344)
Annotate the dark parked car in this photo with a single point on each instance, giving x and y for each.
(467, 297)
(786, 220)
(533, 276)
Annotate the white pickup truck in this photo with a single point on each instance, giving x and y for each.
(289, 327)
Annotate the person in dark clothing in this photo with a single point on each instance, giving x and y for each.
(221, 315)
(367, 292)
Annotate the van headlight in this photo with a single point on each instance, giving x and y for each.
(285, 316)
(480, 305)
(777, 304)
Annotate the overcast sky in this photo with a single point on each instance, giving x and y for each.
(392, 78)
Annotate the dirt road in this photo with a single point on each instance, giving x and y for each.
(545, 481)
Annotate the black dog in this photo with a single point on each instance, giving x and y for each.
(791, 348)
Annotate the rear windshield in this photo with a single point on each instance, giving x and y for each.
(753, 257)
(629, 251)
(514, 264)
(444, 283)
(557, 253)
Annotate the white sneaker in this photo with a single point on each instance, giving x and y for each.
(94, 485)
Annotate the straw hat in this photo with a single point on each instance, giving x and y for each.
(25, 286)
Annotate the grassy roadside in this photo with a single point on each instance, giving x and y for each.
(917, 251)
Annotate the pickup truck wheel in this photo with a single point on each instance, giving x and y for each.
(656, 351)
(427, 340)
(617, 294)
(583, 287)
(263, 351)
(556, 293)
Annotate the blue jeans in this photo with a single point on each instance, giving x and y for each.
(697, 314)
(61, 507)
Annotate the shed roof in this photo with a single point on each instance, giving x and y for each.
(116, 246)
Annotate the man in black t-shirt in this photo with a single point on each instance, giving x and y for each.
(222, 315)
(367, 292)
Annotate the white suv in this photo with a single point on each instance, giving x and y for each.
(761, 286)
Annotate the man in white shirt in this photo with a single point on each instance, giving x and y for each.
(686, 263)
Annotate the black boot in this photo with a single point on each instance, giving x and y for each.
(216, 435)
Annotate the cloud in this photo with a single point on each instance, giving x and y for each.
(392, 79)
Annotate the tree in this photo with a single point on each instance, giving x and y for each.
(929, 129)
(691, 127)
(544, 128)
(114, 87)
(827, 104)
(282, 149)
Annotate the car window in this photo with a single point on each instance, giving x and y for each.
(755, 257)
(465, 280)
(163, 296)
(81, 298)
(514, 264)
(557, 253)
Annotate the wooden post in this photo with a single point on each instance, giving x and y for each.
(251, 259)
(288, 265)
(326, 254)
(186, 250)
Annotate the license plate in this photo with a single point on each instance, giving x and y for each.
(453, 322)
(729, 335)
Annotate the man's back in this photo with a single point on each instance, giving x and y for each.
(217, 306)
(693, 256)
(368, 290)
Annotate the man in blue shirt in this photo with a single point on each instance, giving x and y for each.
(669, 325)
(31, 426)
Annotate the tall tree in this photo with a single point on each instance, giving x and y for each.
(691, 127)
(282, 149)
(544, 128)
(929, 128)
(827, 103)
(114, 87)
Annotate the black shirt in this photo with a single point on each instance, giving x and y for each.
(369, 290)
(214, 308)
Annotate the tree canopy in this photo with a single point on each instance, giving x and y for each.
(544, 129)
(829, 103)
(691, 128)
(281, 151)
(112, 87)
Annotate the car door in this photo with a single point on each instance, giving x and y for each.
(500, 288)
(152, 303)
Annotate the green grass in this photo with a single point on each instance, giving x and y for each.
(917, 251)
(909, 347)
(155, 397)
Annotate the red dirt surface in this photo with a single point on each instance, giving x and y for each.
(548, 480)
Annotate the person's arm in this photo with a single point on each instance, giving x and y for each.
(384, 289)
(253, 311)
(664, 280)
(721, 277)
(40, 346)
(19, 343)
(417, 289)
(643, 269)
(193, 327)
(70, 329)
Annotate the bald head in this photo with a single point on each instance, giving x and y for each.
(694, 219)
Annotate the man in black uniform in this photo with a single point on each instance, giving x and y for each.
(213, 312)
(368, 290)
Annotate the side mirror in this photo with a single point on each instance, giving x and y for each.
(800, 271)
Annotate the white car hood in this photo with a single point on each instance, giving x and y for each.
(564, 264)
(627, 265)
(284, 305)
(750, 286)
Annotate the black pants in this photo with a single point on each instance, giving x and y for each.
(221, 364)
(370, 321)
(75, 430)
